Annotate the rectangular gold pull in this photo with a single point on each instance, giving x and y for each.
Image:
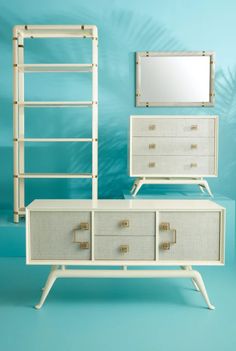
(84, 245)
(165, 246)
(152, 127)
(193, 165)
(124, 223)
(164, 226)
(194, 127)
(84, 226)
(124, 248)
(193, 146)
(152, 164)
(152, 146)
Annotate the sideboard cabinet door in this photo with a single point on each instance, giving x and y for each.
(60, 235)
(190, 236)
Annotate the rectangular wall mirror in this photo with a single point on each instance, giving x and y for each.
(175, 78)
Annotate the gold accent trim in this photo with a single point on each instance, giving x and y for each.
(164, 226)
(84, 245)
(194, 127)
(193, 146)
(124, 248)
(152, 164)
(165, 246)
(84, 226)
(152, 146)
(124, 223)
(152, 127)
(193, 165)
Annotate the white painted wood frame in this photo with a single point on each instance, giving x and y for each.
(20, 33)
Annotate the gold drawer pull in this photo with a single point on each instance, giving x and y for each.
(164, 226)
(84, 245)
(152, 164)
(152, 127)
(165, 246)
(194, 127)
(193, 146)
(152, 146)
(124, 223)
(124, 248)
(84, 226)
(193, 165)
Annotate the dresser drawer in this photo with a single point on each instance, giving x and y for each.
(171, 127)
(125, 247)
(124, 223)
(60, 235)
(173, 165)
(192, 236)
(173, 146)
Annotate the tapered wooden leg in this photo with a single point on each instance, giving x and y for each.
(199, 281)
(50, 281)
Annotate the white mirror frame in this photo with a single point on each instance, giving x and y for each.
(139, 100)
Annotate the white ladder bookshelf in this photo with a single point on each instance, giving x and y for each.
(20, 33)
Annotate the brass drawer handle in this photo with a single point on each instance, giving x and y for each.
(193, 165)
(152, 164)
(84, 226)
(152, 146)
(194, 127)
(152, 127)
(164, 226)
(124, 248)
(124, 223)
(84, 245)
(193, 146)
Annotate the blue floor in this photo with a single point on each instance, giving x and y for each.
(134, 315)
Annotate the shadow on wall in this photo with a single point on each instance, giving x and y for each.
(121, 34)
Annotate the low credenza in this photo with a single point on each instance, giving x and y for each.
(125, 233)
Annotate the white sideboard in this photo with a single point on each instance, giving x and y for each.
(124, 233)
(173, 150)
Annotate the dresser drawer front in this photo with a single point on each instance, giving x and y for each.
(145, 146)
(53, 235)
(124, 223)
(125, 248)
(173, 165)
(171, 127)
(196, 236)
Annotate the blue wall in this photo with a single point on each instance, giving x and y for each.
(124, 28)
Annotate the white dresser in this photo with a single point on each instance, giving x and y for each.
(125, 233)
(173, 150)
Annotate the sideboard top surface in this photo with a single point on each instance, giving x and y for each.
(73, 205)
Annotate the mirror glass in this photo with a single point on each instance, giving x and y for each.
(174, 80)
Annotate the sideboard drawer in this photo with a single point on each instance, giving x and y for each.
(171, 127)
(174, 165)
(125, 247)
(124, 223)
(173, 146)
(60, 235)
(189, 236)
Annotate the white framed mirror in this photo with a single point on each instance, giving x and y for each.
(175, 78)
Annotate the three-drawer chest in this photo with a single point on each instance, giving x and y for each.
(173, 150)
(125, 233)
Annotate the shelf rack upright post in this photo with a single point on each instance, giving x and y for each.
(20, 33)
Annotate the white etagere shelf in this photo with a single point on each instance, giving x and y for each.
(20, 68)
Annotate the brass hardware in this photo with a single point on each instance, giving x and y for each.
(124, 248)
(152, 164)
(152, 127)
(15, 102)
(94, 102)
(164, 226)
(193, 146)
(84, 226)
(147, 54)
(94, 176)
(20, 46)
(14, 38)
(84, 245)
(194, 127)
(26, 27)
(15, 65)
(147, 104)
(193, 165)
(124, 223)
(15, 176)
(175, 236)
(165, 246)
(203, 53)
(152, 146)
(82, 27)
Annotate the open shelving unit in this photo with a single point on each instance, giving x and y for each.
(20, 68)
